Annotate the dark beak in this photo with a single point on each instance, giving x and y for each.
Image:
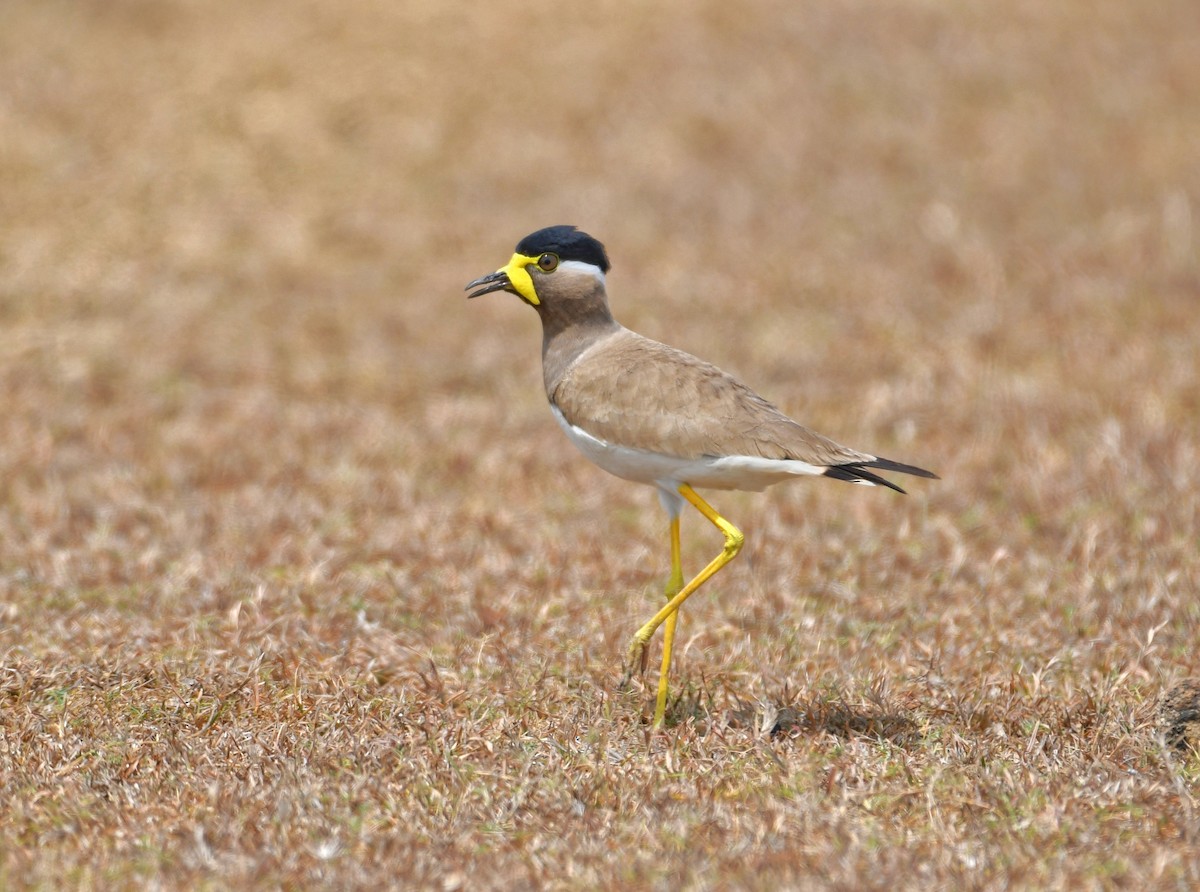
(497, 281)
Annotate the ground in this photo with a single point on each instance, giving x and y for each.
(301, 585)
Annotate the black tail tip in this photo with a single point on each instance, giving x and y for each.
(857, 472)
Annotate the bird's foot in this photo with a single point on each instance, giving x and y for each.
(636, 661)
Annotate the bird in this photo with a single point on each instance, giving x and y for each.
(653, 414)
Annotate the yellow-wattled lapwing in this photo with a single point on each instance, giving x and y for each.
(652, 414)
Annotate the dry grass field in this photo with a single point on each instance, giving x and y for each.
(301, 585)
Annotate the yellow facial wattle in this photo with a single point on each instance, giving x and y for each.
(517, 271)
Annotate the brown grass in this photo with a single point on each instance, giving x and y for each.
(301, 586)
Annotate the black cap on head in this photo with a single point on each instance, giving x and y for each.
(567, 242)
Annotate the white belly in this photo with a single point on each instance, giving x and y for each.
(668, 472)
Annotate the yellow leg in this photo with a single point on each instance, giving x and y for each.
(733, 544)
(674, 585)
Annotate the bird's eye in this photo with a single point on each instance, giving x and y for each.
(547, 263)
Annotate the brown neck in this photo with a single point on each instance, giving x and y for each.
(572, 322)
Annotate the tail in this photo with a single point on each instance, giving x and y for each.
(856, 472)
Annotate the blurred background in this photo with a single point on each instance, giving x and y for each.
(249, 424)
(233, 239)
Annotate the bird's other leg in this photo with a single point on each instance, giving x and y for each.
(673, 505)
(733, 544)
(674, 586)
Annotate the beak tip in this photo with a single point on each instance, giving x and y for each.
(496, 281)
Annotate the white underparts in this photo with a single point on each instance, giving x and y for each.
(668, 472)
